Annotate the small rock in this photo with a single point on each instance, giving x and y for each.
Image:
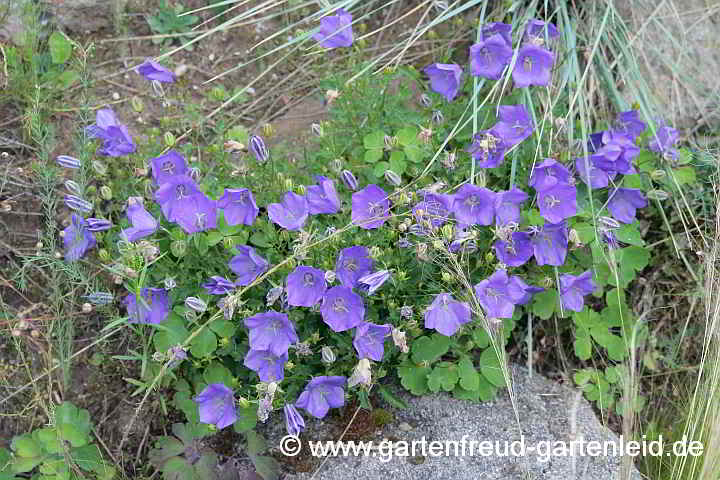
(405, 427)
(181, 70)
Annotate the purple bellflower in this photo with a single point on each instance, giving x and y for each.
(435, 207)
(174, 196)
(488, 148)
(116, 138)
(490, 56)
(624, 202)
(498, 295)
(446, 315)
(79, 204)
(294, 422)
(617, 153)
(535, 31)
(342, 309)
(474, 205)
(218, 285)
(550, 244)
(143, 224)
(533, 66)
(629, 123)
(238, 206)
(369, 341)
(445, 79)
(548, 174)
(372, 281)
(305, 286)
(322, 198)
(664, 141)
(507, 206)
(321, 394)
(558, 203)
(516, 251)
(370, 207)
(198, 213)
(335, 30)
(247, 265)
(268, 366)
(216, 406)
(352, 264)
(154, 71)
(271, 331)
(77, 239)
(514, 124)
(598, 177)
(595, 141)
(292, 213)
(503, 29)
(574, 288)
(167, 166)
(153, 306)
(523, 292)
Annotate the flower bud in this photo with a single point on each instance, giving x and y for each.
(437, 117)
(259, 149)
(330, 276)
(268, 130)
(68, 162)
(137, 104)
(438, 244)
(608, 222)
(169, 139)
(73, 187)
(106, 192)
(399, 339)
(289, 365)
(448, 231)
(78, 204)
(375, 252)
(659, 195)
(317, 130)
(169, 283)
(393, 178)
(99, 167)
(104, 255)
(196, 304)
(39, 245)
(574, 237)
(425, 100)
(328, 356)
(178, 248)
(243, 402)
(349, 180)
(288, 184)
(100, 298)
(228, 242)
(86, 308)
(300, 189)
(447, 278)
(658, 175)
(336, 165)
(98, 224)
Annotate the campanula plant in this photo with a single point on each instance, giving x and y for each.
(409, 244)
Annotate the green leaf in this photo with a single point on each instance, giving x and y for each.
(414, 153)
(246, 419)
(397, 162)
(628, 233)
(484, 393)
(165, 449)
(201, 243)
(206, 466)
(414, 377)
(260, 240)
(256, 443)
(372, 156)
(583, 344)
(491, 368)
(391, 399)
(480, 337)
(614, 344)
(66, 79)
(586, 232)
(545, 303)
(223, 328)
(214, 237)
(684, 175)
(374, 140)
(407, 136)
(26, 446)
(469, 377)
(633, 181)
(379, 169)
(60, 47)
(429, 349)
(635, 257)
(73, 424)
(178, 468)
(217, 373)
(203, 344)
(173, 333)
(48, 437)
(444, 376)
(267, 467)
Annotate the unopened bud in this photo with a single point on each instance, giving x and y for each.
(574, 237)
(658, 175)
(659, 195)
(447, 278)
(228, 242)
(68, 162)
(336, 165)
(39, 245)
(437, 117)
(349, 180)
(288, 184)
(169, 283)
(169, 139)
(375, 252)
(328, 356)
(330, 276)
(104, 255)
(86, 308)
(99, 167)
(178, 248)
(196, 304)
(317, 130)
(243, 402)
(425, 100)
(300, 189)
(393, 178)
(268, 130)
(106, 192)
(73, 187)
(137, 104)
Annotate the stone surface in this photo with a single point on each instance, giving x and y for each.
(677, 45)
(548, 411)
(83, 15)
